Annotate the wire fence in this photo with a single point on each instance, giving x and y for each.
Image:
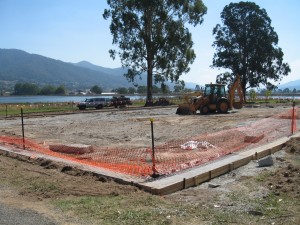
(172, 156)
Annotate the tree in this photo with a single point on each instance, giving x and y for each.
(268, 94)
(26, 89)
(122, 90)
(179, 86)
(286, 90)
(60, 90)
(152, 37)
(96, 89)
(252, 94)
(155, 89)
(165, 88)
(131, 90)
(246, 44)
(141, 89)
(263, 91)
(47, 90)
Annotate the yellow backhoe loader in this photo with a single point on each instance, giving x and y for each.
(214, 99)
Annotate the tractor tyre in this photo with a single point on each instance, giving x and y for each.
(204, 110)
(223, 106)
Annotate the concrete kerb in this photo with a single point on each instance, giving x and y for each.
(173, 183)
(27, 154)
(211, 170)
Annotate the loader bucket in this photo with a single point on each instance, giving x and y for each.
(237, 105)
(186, 109)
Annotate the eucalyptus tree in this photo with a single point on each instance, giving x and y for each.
(152, 37)
(246, 44)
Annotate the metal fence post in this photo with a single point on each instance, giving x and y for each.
(293, 119)
(23, 128)
(153, 150)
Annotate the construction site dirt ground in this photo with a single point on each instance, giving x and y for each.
(130, 128)
(247, 195)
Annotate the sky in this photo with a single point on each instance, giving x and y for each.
(74, 30)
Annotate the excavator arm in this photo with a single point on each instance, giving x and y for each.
(236, 86)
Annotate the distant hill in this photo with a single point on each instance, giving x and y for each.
(120, 70)
(88, 65)
(291, 85)
(20, 66)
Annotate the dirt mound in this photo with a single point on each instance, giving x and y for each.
(293, 146)
(286, 179)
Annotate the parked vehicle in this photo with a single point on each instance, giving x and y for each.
(97, 103)
(121, 101)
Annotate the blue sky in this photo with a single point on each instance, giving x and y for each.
(74, 30)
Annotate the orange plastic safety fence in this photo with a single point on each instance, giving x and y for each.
(111, 163)
(178, 155)
(294, 118)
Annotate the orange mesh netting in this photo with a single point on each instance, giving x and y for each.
(177, 155)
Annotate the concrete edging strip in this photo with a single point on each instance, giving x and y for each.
(173, 183)
(214, 169)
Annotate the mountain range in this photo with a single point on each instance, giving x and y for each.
(290, 85)
(20, 66)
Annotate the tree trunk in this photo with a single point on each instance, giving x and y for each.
(150, 54)
(149, 82)
(244, 92)
(243, 83)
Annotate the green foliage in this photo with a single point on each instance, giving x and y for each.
(33, 89)
(96, 89)
(47, 90)
(165, 88)
(252, 94)
(155, 89)
(268, 94)
(246, 44)
(286, 90)
(122, 90)
(60, 90)
(152, 37)
(131, 90)
(179, 87)
(26, 89)
(142, 89)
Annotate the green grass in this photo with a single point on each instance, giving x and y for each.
(262, 177)
(15, 109)
(146, 209)
(119, 209)
(275, 101)
(42, 186)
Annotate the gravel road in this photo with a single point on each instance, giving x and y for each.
(14, 216)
